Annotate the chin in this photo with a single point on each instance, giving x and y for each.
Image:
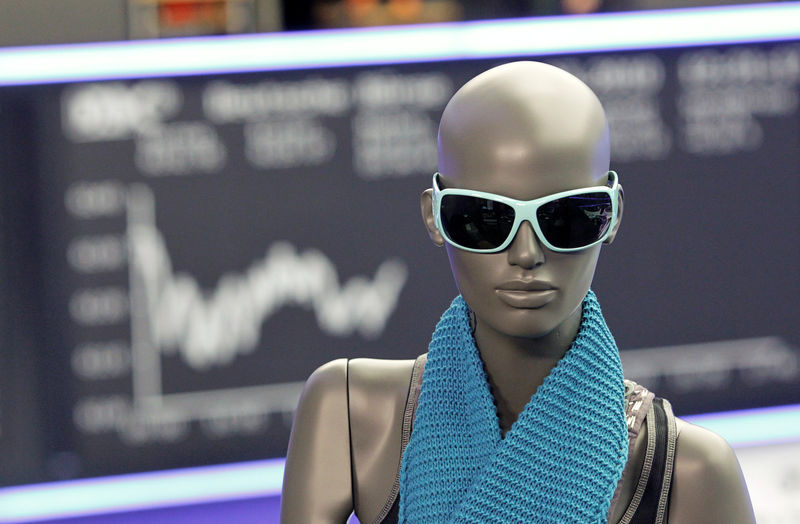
(525, 323)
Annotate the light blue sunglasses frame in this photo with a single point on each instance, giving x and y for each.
(525, 210)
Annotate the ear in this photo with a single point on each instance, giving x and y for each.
(426, 206)
(620, 207)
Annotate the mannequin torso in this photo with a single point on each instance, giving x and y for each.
(369, 398)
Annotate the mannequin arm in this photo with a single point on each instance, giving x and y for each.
(317, 484)
(708, 485)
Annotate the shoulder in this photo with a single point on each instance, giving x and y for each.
(708, 485)
(345, 440)
(381, 408)
(362, 374)
(328, 377)
(700, 446)
(364, 380)
(316, 482)
(377, 396)
(368, 370)
(359, 407)
(378, 393)
(704, 455)
(379, 375)
(324, 394)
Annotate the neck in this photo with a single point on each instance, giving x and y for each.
(517, 366)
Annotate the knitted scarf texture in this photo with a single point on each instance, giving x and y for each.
(560, 461)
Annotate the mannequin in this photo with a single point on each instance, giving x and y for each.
(524, 131)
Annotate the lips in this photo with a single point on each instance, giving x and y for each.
(526, 285)
(526, 294)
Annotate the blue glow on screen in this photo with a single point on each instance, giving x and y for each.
(141, 490)
(752, 427)
(543, 36)
(763, 426)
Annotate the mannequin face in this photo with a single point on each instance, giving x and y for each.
(554, 284)
(523, 130)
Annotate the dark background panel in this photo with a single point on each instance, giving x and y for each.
(706, 254)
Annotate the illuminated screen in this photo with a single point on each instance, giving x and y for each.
(191, 227)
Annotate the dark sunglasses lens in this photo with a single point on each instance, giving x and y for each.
(476, 223)
(575, 221)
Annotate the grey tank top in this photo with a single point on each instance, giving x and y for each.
(650, 501)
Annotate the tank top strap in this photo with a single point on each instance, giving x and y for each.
(413, 395)
(650, 502)
(389, 515)
(638, 400)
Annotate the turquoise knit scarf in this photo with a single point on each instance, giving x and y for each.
(561, 460)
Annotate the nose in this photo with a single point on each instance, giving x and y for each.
(525, 250)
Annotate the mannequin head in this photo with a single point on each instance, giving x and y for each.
(523, 130)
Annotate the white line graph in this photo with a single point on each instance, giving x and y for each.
(171, 315)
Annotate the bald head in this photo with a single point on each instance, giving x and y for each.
(523, 119)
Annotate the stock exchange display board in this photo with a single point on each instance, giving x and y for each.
(179, 254)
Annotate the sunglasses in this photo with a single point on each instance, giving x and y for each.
(487, 223)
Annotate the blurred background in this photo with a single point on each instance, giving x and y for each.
(201, 201)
